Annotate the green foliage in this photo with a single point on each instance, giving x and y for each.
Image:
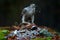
(3, 33)
(48, 38)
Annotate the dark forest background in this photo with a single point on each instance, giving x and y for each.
(49, 12)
